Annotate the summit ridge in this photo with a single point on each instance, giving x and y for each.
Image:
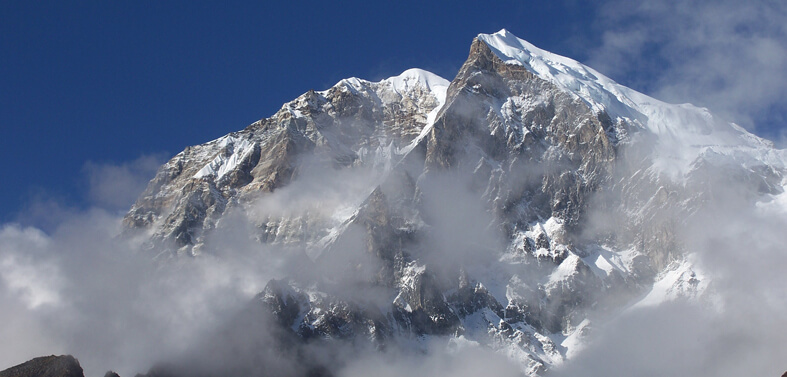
(683, 132)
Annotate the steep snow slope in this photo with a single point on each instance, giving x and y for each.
(682, 132)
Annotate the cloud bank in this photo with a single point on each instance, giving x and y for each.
(78, 288)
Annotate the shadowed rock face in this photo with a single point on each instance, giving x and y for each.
(47, 366)
(526, 141)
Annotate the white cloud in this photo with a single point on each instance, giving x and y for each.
(79, 288)
(25, 268)
(117, 186)
(729, 56)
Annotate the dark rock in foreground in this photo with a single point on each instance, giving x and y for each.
(46, 366)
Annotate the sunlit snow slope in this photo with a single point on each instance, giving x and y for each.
(682, 132)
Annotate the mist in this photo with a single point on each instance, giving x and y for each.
(734, 239)
(456, 357)
(81, 289)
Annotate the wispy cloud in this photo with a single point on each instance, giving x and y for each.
(734, 328)
(117, 186)
(729, 56)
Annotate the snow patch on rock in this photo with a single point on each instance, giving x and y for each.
(232, 152)
(680, 280)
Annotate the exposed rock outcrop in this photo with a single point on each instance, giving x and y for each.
(46, 366)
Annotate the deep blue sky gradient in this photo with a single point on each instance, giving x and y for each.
(109, 81)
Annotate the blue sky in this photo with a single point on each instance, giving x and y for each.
(97, 87)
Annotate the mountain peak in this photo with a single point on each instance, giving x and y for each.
(508, 46)
(683, 133)
(504, 212)
(599, 91)
(425, 77)
(428, 80)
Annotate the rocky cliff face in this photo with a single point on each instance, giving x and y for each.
(502, 208)
(47, 366)
(354, 124)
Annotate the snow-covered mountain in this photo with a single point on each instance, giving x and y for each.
(507, 208)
